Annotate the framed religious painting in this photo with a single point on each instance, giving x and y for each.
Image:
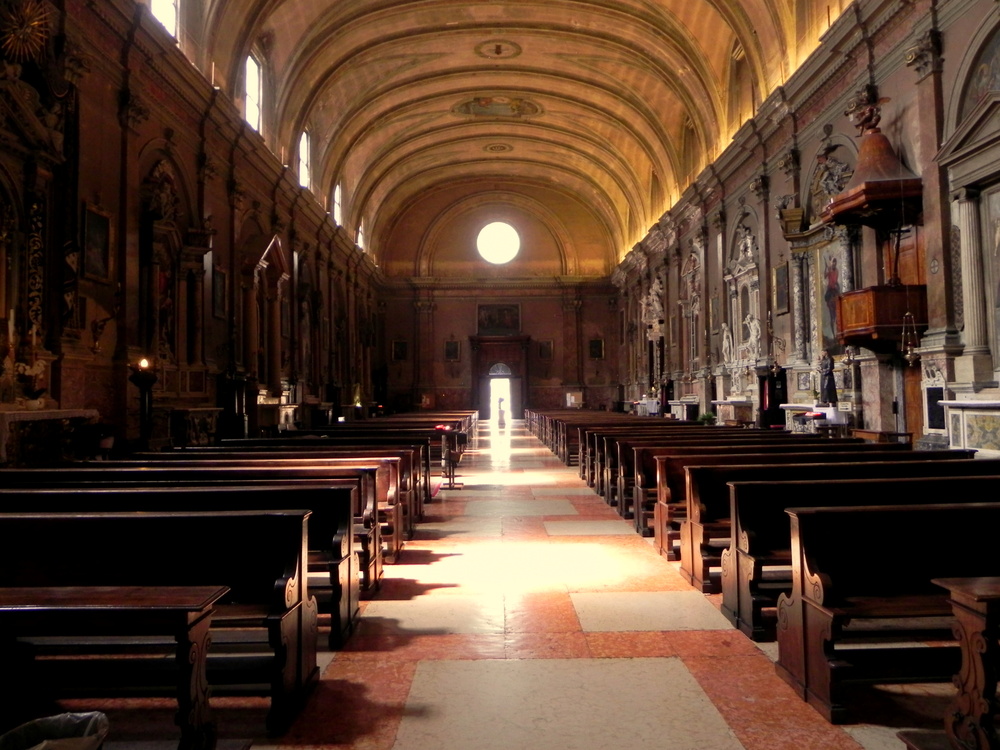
(499, 320)
(830, 261)
(452, 351)
(779, 288)
(400, 351)
(97, 241)
(596, 348)
(545, 349)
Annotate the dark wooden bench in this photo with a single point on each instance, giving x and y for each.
(661, 489)
(263, 632)
(622, 469)
(406, 457)
(389, 507)
(746, 548)
(706, 531)
(333, 568)
(378, 528)
(296, 440)
(592, 457)
(972, 720)
(606, 454)
(879, 589)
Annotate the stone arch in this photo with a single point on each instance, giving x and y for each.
(424, 264)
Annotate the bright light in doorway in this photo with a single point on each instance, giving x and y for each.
(498, 243)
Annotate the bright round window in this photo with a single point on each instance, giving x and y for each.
(498, 243)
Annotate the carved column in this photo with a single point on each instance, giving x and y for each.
(424, 343)
(975, 366)
(274, 293)
(798, 309)
(973, 292)
(924, 56)
(251, 323)
(572, 309)
(196, 352)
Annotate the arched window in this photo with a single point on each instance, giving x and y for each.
(254, 94)
(166, 12)
(338, 211)
(305, 161)
(742, 98)
(361, 235)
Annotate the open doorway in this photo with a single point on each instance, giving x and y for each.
(500, 404)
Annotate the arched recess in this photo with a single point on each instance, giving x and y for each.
(424, 263)
(971, 155)
(741, 329)
(172, 280)
(263, 279)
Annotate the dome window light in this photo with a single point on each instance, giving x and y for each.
(498, 243)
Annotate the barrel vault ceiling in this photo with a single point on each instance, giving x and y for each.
(600, 111)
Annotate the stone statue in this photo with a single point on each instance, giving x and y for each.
(753, 338)
(827, 382)
(727, 345)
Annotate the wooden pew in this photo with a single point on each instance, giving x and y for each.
(332, 565)
(378, 519)
(407, 459)
(667, 466)
(880, 590)
(715, 535)
(591, 439)
(620, 450)
(972, 720)
(420, 461)
(260, 556)
(447, 440)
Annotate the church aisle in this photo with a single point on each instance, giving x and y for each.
(527, 614)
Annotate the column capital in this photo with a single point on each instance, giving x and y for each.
(965, 194)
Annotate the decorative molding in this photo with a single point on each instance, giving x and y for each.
(925, 55)
(788, 162)
(133, 111)
(759, 187)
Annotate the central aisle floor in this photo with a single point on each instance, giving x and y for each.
(525, 614)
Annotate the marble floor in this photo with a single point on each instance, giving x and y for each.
(526, 615)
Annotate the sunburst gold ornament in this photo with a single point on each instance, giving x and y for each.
(24, 28)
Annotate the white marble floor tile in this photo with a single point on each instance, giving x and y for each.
(876, 738)
(560, 704)
(659, 610)
(563, 491)
(589, 528)
(459, 527)
(518, 507)
(437, 614)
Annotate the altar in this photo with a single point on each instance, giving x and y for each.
(40, 437)
(734, 411)
(974, 424)
(796, 421)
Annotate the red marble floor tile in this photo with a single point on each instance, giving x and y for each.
(547, 646)
(712, 643)
(401, 647)
(356, 705)
(763, 711)
(630, 645)
(541, 613)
